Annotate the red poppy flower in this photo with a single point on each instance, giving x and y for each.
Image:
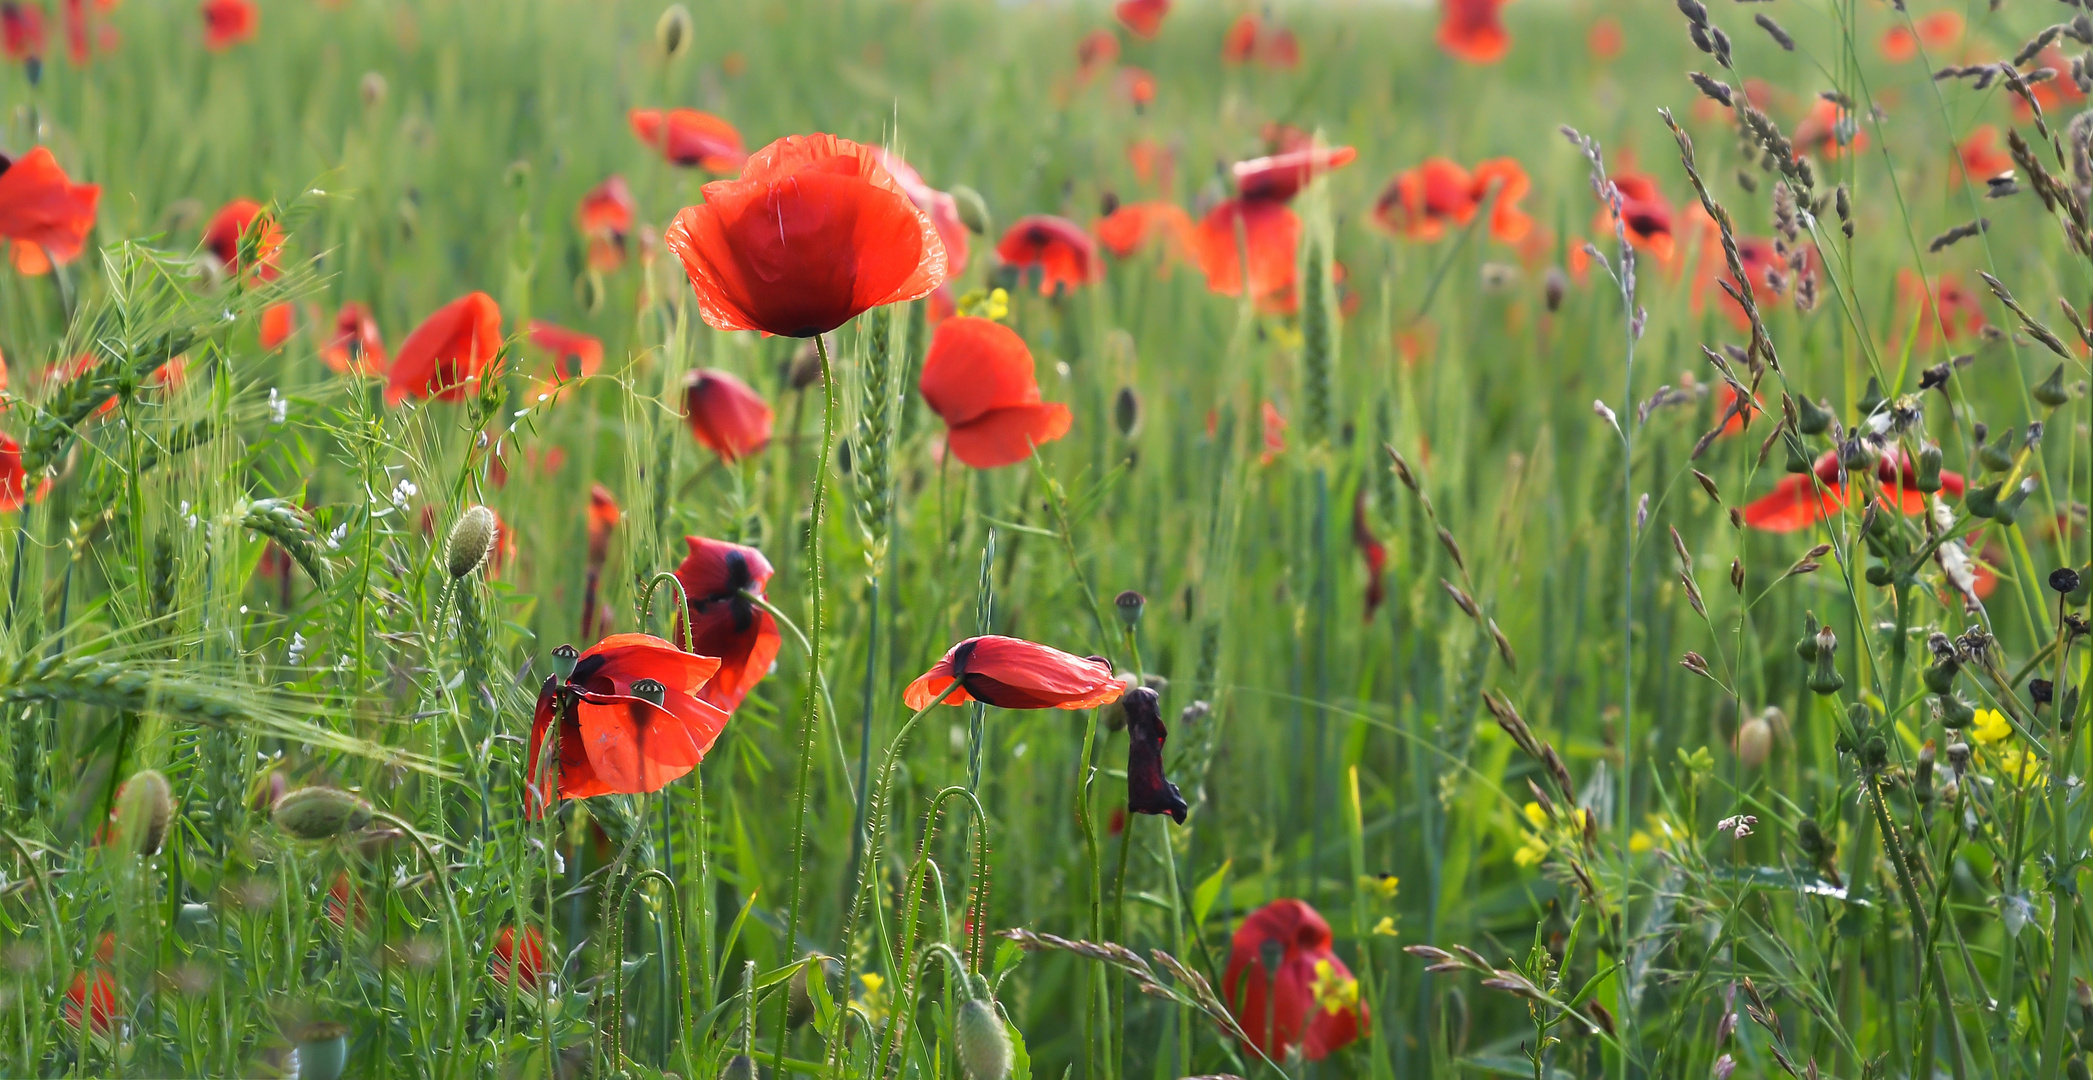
(1239, 44)
(977, 376)
(1947, 311)
(1645, 213)
(227, 23)
(1797, 502)
(1310, 1000)
(629, 720)
(726, 415)
(717, 579)
(343, 901)
(1011, 673)
(14, 482)
(1280, 177)
(1098, 50)
(1938, 31)
(2055, 92)
(1473, 30)
(1373, 551)
(1152, 162)
(575, 355)
(44, 215)
(76, 43)
(522, 964)
(1280, 49)
(1980, 156)
(235, 221)
(21, 29)
(1126, 228)
(607, 214)
(1725, 399)
(356, 347)
(691, 138)
(1063, 252)
(279, 322)
(1421, 202)
(604, 516)
(1603, 40)
(1766, 272)
(99, 1002)
(1148, 791)
(941, 206)
(1818, 133)
(447, 354)
(1266, 230)
(1136, 85)
(1143, 17)
(1274, 429)
(813, 233)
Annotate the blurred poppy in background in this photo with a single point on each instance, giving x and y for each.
(227, 23)
(445, 357)
(978, 377)
(725, 414)
(690, 138)
(1422, 202)
(941, 206)
(1012, 673)
(22, 33)
(509, 963)
(1286, 986)
(44, 216)
(1129, 226)
(1646, 216)
(1064, 254)
(575, 355)
(607, 213)
(356, 347)
(244, 221)
(1143, 17)
(1936, 32)
(1797, 502)
(1473, 30)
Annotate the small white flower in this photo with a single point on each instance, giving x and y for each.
(1740, 825)
(279, 408)
(296, 652)
(402, 492)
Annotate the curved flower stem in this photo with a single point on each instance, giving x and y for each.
(827, 703)
(905, 1004)
(682, 605)
(677, 957)
(454, 936)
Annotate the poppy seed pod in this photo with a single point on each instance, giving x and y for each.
(980, 1041)
(973, 210)
(2064, 580)
(1928, 479)
(651, 691)
(320, 813)
(1754, 742)
(563, 660)
(1554, 287)
(739, 1067)
(373, 89)
(471, 540)
(1126, 412)
(1130, 604)
(1997, 456)
(1826, 680)
(673, 31)
(2051, 391)
(144, 811)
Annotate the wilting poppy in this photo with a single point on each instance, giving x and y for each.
(447, 354)
(1940, 30)
(1473, 30)
(725, 414)
(520, 965)
(356, 347)
(1818, 133)
(718, 579)
(978, 377)
(1980, 156)
(227, 23)
(1130, 225)
(607, 213)
(1143, 17)
(1797, 502)
(279, 322)
(235, 221)
(1012, 673)
(1148, 791)
(21, 29)
(1098, 50)
(690, 138)
(93, 993)
(14, 482)
(629, 720)
(1603, 40)
(43, 214)
(1373, 551)
(1063, 252)
(1422, 202)
(1267, 231)
(1239, 44)
(941, 206)
(1287, 987)
(1280, 177)
(1646, 216)
(575, 355)
(813, 233)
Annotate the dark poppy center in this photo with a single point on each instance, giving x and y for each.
(6, 163)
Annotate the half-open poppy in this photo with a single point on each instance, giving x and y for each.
(1064, 254)
(1148, 791)
(1131, 225)
(1646, 216)
(356, 347)
(607, 213)
(1421, 203)
(1286, 986)
(1266, 231)
(227, 23)
(1473, 30)
(1936, 32)
(941, 206)
(1281, 176)
(1012, 673)
(726, 415)
(238, 220)
(814, 232)
(518, 965)
(1797, 502)
(446, 355)
(978, 377)
(690, 138)
(43, 214)
(1143, 17)
(718, 580)
(628, 717)
(22, 32)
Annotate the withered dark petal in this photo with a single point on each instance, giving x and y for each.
(1147, 790)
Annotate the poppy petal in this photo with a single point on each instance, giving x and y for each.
(975, 366)
(1794, 504)
(1006, 436)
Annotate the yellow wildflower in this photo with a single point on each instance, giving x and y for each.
(1386, 927)
(1639, 842)
(1532, 852)
(1382, 885)
(1990, 728)
(1334, 992)
(2017, 766)
(1536, 815)
(873, 1001)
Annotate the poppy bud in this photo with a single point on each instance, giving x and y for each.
(1982, 501)
(1826, 680)
(973, 211)
(2051, 391)
(1810, 419)
(1997, 456)
(471, 540)
(1807, 646)
(33, 67)
(1554, 287)
(1130, 604)
(672, 31)
(651, 691)
(144, 811)
(372, 89)
(980, 1041)
(1126, 412)
(739, 1067)
(2009, 506)
(1940, 677)
(1955, 713)
(563, 660)
(1928, 479)
(1754, 742)
(1871, 398)
(320, 813)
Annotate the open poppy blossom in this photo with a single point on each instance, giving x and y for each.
(718, 580)
(1063, 252)
(629, 720)
(445, 357)
(1012, 673)
(725, 414)
(1938, 31)
(44, 216)
(1239, 44)
(237, 221)
(941, 206)
(93, 993)
(1287, 987)
(1130, 225)
(1473, 30)
(1797, 502)
(521, 965)
(356, 347)
(1281, 176)
(575, 355)
(21, 29)
(814, 232)
(1980, 156)
(690, 138)
(978, 378)
(227, 23)
(1148, 791)
(1646, 216)
(1946, 311)
(1266, 231)
(1421, 203)
(1143, 17)
(607, 213)
(1098, 50)
(1818, 133)
(279, 322)
(1373, 551)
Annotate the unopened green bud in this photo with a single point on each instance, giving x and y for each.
(144, 811)
(973, 210)
(1806, 647)
(320, 813)
(1796, 464)
(1997, 456)
(471, 541)
(1940, 677)
(1826, 680)
(1871, 398)
(2009, 505)
(672, 31)
(1880, 575)
(2051, 391)
(1982, 501)
(1955, 713)
(980, 1042)
(1928, 479)
(1811, 418)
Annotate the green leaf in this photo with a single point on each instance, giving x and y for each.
(1208, 891)
(1020, 1061)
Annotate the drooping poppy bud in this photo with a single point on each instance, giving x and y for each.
(726, 415)
(144, 811)
(672, 31)
(320, 813)
(1147, 790)
(1011, 673)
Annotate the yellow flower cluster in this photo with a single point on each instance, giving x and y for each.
(1540, 841)
(1990, 728)
(1334, 992)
